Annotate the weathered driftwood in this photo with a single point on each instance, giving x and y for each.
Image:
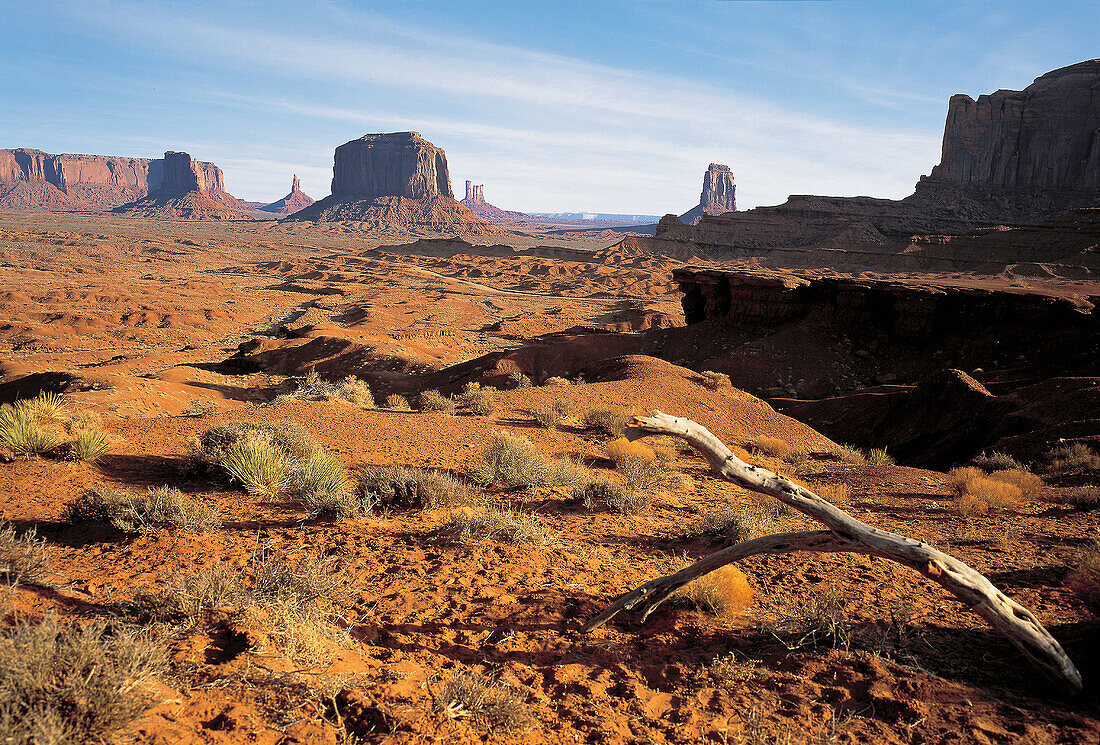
(845, 534)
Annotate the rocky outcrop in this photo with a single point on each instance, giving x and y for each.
(1009, 158)
(293, 202)
(475, 202)
(395, 184)
(719, 195)
(32, 179)
(183, 194)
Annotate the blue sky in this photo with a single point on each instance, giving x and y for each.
(554, 106)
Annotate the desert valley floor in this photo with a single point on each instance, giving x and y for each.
(167, 329)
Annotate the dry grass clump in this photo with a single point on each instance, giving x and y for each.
(501, 524)
(838, 494)
(996, 461)
(642, 474)
(813, 619)
(196, 407)
(773, 446)
(397, 402)
(977, 492)
(72, 685)
(490, 703)
(557, 381)
(1084, 580)
(714, 381)
(615, 496)
(611, 419)
(622, 448)
(1028, 483)
(1075, 458)
(160, 507)
(879, 457)
(23, 558)
(432, 400)
(1081, 497)
(480, 400)
(723, 592)
(398, 487)
(356, 391)
(552, 413)
(311, 387)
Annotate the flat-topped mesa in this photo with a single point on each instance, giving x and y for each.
(181, 175)
(401, 164)
(718, 197)
(1044, 136)
(184, 194)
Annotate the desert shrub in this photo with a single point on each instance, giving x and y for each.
(557, 381)
(213, 445)
(311, 387)
(996, 461)
(611, 419)
(814, 619)
(729, 670)
(879, 457)
(481, 400)
(1084, 580)
(22, 433)
(958, 477)
(160, 507)
(76, 684)
(398, 487)
(397, 402)
(1028, 483)
(733, 525)
(511, 461)
(356, 391)
(501, 524)
(847, 454)
(258, 465)
(552, 413)
(436, 401)
(645, 475)
(519, 379)
(567, 473)
(188, 597)
(773, 446)
(715, 380)
(1075, 458)
(319, 474)
(615, 496)
(47, 407)
(969, 505)
(23, 558)
(977, 492)
(491, 703)
(722, 592)
(88, 445)
(199, 408)
(622, 448)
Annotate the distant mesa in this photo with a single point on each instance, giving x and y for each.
(719, 195)
(475, 201)
(293, 202)
(185, 194)
(396, 182)
(32, 179)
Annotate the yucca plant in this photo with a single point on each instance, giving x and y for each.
(259, 466)
(20, 432)
(88, 445)
(321, 473)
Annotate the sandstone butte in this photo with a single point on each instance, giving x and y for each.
(183, 194)
(396, 182)
(475, 201)
(32, 179)
(718, 197)
(294, 201)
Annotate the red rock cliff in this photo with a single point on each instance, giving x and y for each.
(401, 164)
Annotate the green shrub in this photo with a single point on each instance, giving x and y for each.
(258, 465)
(320, 473)
(611, 419)
(436, 401)
(21, 433)
(88, 445)
(511, 461)
(879, 457)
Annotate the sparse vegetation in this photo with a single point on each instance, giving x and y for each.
(1084, 580)
(732, 525)
(641, 474)
(74, 684)
(490, 703)
(511, 461)
(1074, 458)
(196, 407)
(519, 379)
(356, 391)
(722, 592)
(23, 558)
(611, 419)
(435, 401)
(311, 387)
(714, 381)
(622, 448)
(88, 446)
(160, 507)
(471, 525)
(1081, 497)
(615, 496)
(813, 619)
(838, 494)
(397, 402)
(879, 457)
(552, 413)
(977, 492)
(480, 400)
(557, 380)
(996, 461)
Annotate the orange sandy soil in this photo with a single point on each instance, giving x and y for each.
(130, 307)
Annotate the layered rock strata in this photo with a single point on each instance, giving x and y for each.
(718, 197)
(475, 202)
(183, 193)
